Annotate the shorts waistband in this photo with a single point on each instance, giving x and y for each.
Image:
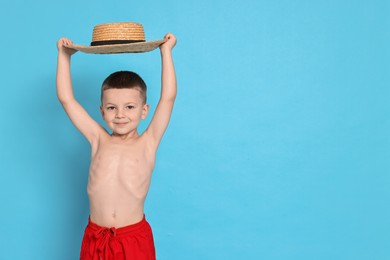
(117, 231)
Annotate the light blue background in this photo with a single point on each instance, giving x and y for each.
(278, 147)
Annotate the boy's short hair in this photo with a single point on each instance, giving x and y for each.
(125, 79)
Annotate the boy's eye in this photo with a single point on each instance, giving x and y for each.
(110, 108)
(130, 107)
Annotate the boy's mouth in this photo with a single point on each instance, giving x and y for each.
(120, 123)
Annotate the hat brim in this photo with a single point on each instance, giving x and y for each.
(118, 48)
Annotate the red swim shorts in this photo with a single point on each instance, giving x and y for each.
(133, 242)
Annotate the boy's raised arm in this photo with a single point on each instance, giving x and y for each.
(164, 108)
(77, 114)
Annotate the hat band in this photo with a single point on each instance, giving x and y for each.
(111, 42)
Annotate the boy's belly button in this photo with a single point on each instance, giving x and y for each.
(113, 214)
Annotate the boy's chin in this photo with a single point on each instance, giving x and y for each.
(122, 131)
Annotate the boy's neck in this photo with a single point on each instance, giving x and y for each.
(126, 137)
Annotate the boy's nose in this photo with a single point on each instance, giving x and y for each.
(119, 114)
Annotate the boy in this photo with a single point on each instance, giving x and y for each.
(121, 162)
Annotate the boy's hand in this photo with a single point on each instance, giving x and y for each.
(169, 44)
(61, 46)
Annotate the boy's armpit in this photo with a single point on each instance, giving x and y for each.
(83, 121)
(160, 120)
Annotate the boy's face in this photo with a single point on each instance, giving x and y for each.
(122, 109)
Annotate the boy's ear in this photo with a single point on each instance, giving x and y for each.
(102, 111)
(145, 111)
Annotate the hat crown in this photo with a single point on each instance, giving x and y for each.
(124, 31)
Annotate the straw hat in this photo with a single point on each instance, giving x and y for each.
(118, 38)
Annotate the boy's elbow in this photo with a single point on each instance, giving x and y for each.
(64, 99)
(171, 97)
(61, 99)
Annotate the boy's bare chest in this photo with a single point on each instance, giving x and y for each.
(112, 158)
(119, 170)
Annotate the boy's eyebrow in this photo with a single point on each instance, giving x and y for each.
(127, 103)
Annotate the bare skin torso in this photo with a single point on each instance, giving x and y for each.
(119, 179)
